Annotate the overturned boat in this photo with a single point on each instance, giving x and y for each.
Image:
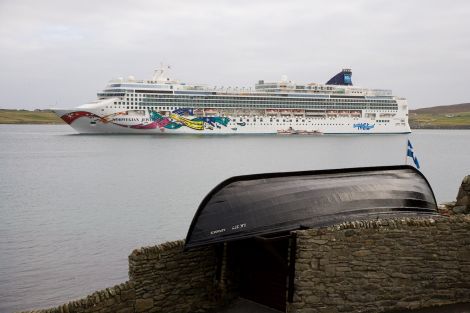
(257, 205)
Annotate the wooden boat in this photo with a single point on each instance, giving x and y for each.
(308, 199)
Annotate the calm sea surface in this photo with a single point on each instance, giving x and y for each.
(73, 207)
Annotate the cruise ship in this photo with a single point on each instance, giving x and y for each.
(162, 105)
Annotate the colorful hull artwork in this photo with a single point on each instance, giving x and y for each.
(69, 118)
(174, 121)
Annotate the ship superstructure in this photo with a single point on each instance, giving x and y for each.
(163, 105)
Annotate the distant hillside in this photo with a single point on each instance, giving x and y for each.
(455, 116)
(28, 117)
(444, 109)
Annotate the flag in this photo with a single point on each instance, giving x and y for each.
(410, 153)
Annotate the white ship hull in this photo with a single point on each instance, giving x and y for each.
(96, 123)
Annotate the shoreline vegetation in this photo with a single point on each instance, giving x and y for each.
(29, 117)
(455, 116)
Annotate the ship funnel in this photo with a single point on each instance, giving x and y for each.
(342, 78)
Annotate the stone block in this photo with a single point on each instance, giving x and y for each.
(327, 309)
(312, 299)
(461, 209)
(349, 232)
(330, 270)
(361, 253)
(306, 310)
(302, 267)
(463, 196)
(127, 295)
(319, 241)
(142, 305)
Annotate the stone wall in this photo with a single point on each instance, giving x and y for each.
(462, 203)
(169, 280)
(163, 278)
(119, 299)
(381, 265)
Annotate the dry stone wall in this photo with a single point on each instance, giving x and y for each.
(383, 265)
(462, 203)
(119, 299)
(169, 280)
(463, 196)
(163, 278)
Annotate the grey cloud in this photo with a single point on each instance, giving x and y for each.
(66, 51)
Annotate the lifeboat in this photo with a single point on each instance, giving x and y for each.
(314, 113)
(210, 111)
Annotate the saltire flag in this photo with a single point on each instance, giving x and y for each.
(410, 153)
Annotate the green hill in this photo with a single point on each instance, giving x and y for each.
(28, 117)
(455, 116)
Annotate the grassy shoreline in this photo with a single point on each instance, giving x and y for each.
(454, 116)
(440, 121)
(29, 117)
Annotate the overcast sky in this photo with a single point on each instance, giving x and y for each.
(60, 53)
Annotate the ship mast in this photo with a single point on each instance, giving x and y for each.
(161, 75)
